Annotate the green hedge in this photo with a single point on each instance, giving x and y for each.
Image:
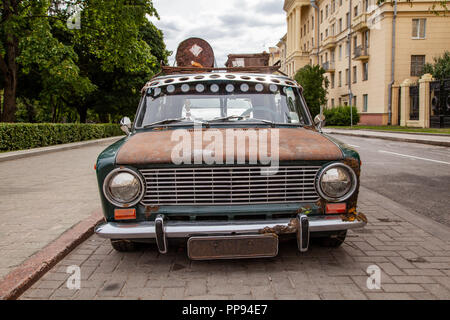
(18, 136)
(340, 116)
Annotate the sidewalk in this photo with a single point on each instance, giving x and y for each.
(437, 140)
(412, 252)
(44, 194)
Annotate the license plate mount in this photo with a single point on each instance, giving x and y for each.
(232, 247)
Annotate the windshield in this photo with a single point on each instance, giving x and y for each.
(222, 101)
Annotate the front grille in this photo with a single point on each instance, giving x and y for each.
(228, 185)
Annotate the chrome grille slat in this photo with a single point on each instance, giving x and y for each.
(228, 185)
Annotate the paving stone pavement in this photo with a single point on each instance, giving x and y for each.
(413, 254)
(43, 196)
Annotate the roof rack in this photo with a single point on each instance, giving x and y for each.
(186, 70)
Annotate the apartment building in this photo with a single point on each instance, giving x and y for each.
(353, 41)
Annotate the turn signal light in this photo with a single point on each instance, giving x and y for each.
(125, 214)
(336, 208)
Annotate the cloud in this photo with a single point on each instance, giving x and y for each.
(270, 7)
(232, 26)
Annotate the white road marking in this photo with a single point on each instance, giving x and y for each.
(413, 157)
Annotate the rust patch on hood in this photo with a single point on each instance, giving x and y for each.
(294, 144)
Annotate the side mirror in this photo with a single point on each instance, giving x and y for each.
(319, 120)
(125, 125)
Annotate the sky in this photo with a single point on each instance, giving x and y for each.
(230, 26)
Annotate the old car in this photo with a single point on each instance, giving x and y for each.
(164, 182)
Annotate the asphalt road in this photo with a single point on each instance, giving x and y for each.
(414, 175)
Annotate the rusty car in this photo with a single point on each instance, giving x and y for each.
(164, 183)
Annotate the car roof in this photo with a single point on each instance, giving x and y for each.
(224, 76)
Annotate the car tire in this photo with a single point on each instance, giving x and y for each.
(334, 240)
(123, 245)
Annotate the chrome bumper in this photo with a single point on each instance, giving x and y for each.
(183, 229)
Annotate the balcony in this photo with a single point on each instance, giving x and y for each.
(329, 42)
(328, 66)
(359, 22)
(361, 53)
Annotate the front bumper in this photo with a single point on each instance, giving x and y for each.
(160, 229)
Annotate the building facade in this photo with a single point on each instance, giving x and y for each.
(354, 41)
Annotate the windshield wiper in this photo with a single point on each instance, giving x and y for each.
(168, 121)
(228, 118)
(272, 124)
(165, 121)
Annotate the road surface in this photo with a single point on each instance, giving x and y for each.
(416, 176)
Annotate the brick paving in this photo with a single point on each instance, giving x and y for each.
(412, 252)
(43, 196)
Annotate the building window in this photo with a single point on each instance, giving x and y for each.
(366, 39)
(326, 11)
(346, 76)
(354, 102)
(332, 30)
(332, 81)
(333, 6)
(417, 63)
(366, 5)
(312, 22)
(354, 74)
(321, 36)
(321, 16)
(340, 81)
(326, 33)
(365, 71)
(355, 10)
(355, 42)
(340, 52)
(365, 102)
(418, 28)
(340, 101)
(340, 2)
(347, 16)
(332, 103)
(347, 52)
(340, 25)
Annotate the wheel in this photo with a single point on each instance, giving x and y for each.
(123, 245)
(334, 240)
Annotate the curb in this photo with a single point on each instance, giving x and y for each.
(421, 141)
(13, 155)
(26, 274)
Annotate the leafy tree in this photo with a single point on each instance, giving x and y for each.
(315, 86)
(438, 7)
(35, 42)
(440, 69)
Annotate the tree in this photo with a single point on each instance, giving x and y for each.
(440, 69)
(34, 37)
(438, 7)
(315, 86)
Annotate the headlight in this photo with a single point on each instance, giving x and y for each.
(123, 187)
(336, 182)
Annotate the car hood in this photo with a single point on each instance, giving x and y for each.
(157, 147)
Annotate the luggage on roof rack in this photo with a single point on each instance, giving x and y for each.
(185, 70)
